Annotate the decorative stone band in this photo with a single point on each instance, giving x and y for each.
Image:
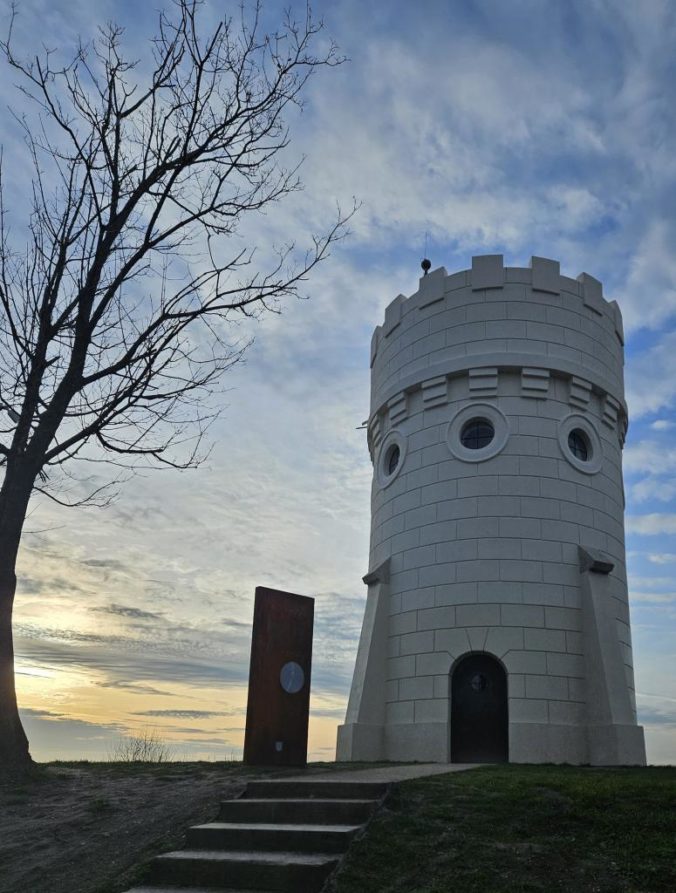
(580, 390)
(483, 381)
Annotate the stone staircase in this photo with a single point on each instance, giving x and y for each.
(278, 836)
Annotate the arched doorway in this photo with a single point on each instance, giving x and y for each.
(479, 732)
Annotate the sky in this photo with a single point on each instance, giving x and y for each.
(462, 128)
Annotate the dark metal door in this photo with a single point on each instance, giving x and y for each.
(479, 711)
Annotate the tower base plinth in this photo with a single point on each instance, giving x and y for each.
(360, 742)
(609, 745)
(616, 745)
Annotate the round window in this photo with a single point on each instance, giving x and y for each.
(477, 434)
(579, 445)
(392, 459)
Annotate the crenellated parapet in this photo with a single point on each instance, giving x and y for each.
(481, 323)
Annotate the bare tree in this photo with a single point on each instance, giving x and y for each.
(115, 317)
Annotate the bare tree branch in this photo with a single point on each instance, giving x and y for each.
(118, 312)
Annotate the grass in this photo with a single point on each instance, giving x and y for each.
(172, 768)
(100, 804)
(521, 828)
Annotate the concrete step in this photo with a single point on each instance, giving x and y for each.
(271, 837)
(297, 812)
(319, 790)
(249, 870)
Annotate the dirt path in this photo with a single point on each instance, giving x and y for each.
(85, 828)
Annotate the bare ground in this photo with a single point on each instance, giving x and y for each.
(90, 827)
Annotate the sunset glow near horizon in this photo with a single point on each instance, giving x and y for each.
(522, 128)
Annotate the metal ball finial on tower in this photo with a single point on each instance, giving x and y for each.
(426, 266)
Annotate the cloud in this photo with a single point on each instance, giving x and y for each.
(651, 524)
(484, 115)
(650, 471)
(42, 714)
(125, 611)
(662, 558)
(652, 716)
(665, 598)
(652, 272)
(126, 665)
(26, 586)
(651, 377)
(330, 712)
(122, 685)
(108, 563)
(49, 586)
(53, 735)
(514, 162)
(649, 456)
(187, 714)
(651, 582)
(21, 670)
(653, 488)
(656, 709)
(197, 745)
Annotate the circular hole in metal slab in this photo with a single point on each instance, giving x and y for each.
(292, 677)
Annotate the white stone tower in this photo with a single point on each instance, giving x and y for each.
(497, 620)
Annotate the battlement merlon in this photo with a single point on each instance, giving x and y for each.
(488, 272)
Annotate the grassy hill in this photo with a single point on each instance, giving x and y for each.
(89, 828)
(521, 828)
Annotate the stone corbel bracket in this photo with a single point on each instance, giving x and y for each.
(381, 574)
(594, 560)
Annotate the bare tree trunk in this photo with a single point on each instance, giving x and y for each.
(14, 496)
(13, 742)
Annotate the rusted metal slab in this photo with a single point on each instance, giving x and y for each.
(278, 706)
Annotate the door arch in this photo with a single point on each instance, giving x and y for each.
(479, 717)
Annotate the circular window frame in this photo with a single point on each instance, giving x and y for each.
(393, 438)
(567, 425)
(477, 411)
